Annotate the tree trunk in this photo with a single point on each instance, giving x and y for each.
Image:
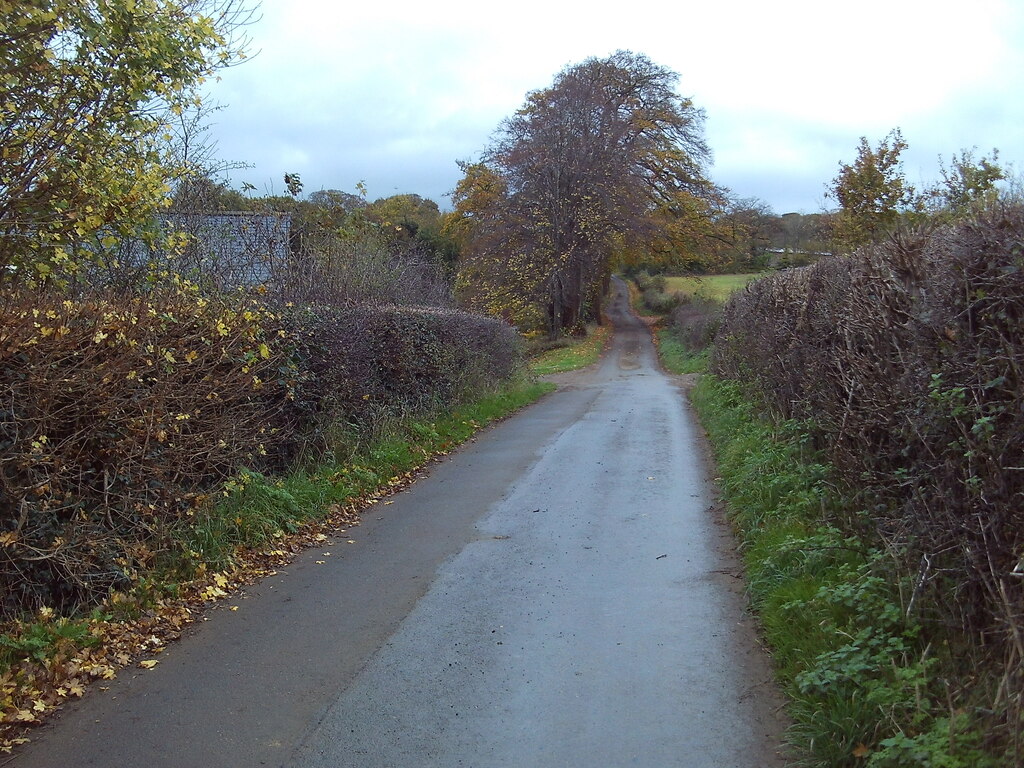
(555, 307)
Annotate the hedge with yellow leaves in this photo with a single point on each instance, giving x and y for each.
(115, 415)
(120, 416)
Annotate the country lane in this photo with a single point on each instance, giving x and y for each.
(559, 592)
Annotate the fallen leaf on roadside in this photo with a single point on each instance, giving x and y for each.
(148, 663)
(6, 745)
(861, 750)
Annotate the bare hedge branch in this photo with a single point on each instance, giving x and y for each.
(908, 360)
(119, 416)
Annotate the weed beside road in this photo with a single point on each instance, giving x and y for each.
(571, 354)
(866, 688)
(676, 357)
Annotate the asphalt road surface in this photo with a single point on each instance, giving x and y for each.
(561, 592)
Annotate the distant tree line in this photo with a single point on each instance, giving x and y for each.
(875, 198)
(405, 225)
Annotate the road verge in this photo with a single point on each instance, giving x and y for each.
(259, 526)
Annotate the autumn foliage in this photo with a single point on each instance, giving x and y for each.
(88, 92)
(122, 415)
(608, 160)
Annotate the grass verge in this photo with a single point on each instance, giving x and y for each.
(572, 354)
(676, 357)
(255, 510)
(866, 687)
(255, 525)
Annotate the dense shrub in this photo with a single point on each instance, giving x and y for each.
(364, 363)
(646, 281)
(118, 416)
(660, 302)
(654, 293)
(908, 359)
(695, 322)
(329, 267)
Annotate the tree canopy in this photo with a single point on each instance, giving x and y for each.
(872, 192)
(967, 182)
(875, 197)
(606, 160)
(86, 93)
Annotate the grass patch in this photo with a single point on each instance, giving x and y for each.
(636, 298)
(40, 639)
(676, 357)
(572, 354)
(864, 684)
(714, 287)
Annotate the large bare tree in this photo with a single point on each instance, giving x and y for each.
(587, 167)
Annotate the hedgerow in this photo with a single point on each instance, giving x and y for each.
(121, 416)
(653, 291)
(905, 360)
(366, 363)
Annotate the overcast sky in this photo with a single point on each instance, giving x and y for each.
(394, 93)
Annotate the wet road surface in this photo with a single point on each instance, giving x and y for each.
(558, 593)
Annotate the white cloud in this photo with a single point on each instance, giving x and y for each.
(395, 93)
